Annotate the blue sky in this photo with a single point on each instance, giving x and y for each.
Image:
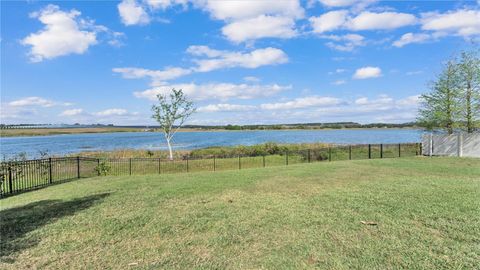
(242, 62)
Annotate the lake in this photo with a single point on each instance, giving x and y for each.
(73, 143)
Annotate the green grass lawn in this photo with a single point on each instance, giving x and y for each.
(427, 212)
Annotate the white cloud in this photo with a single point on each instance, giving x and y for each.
(164, 4)
(411, 101)
(329, 21)
(409, 38)
(110, 112)
(72, 112)
(346, 42)
(251, 79)
(367, 72)
(460, 22)
(381, 21)
(223, 107)
(305, 102)
(242, 9)
(345, 3)
(464, 23)
(132, 13)
(37, 101)
(207, 59)
(62, 34)
(226, 59)
(157, 76)
(366, 20)
(218, 91)
(260, 27)
(337, 3)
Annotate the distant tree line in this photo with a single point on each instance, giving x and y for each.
(337, 125)
(453, 102)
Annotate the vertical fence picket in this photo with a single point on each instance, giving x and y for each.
(10, 181)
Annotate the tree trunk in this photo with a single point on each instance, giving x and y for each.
(170, 149)
(468, 100)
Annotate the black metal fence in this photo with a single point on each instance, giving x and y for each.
(20, 176)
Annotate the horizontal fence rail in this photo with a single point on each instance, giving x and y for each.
(20, 176)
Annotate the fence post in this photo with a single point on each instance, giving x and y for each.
(369, 151)
(381, 150)
(130, 166)
(264, 161)
(350, 152)
(50, 176)
(214, 163)
(308, 157)
(186, 160)
(329, 154)
(98, 166)
(78, 167)
(239, 162)
(159, 168)
(10, 181)
(286, 158)
(459, 145)
(421, 150)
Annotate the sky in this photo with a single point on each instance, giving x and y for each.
(241, 62)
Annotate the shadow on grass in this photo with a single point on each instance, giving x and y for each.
(16, 223)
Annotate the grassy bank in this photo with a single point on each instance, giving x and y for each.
(425, 213)
(219, 151)
(58, 131)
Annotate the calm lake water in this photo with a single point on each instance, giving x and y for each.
(66, 144)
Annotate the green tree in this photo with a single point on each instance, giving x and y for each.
(440, 108)
(469, 73)
(171, 113)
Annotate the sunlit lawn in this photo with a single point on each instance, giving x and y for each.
(426, 211)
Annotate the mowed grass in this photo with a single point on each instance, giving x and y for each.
(427, 212)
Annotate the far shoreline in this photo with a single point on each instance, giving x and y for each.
(40, 132)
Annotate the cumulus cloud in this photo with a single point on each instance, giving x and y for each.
(381, 21)
(304, 102)
(215, 91)
(225, 107)
(409, 38)
(242, 9)
(72, 112)
(157, 76)
(62, 34)
(110, 112)
(345, 3)
(366, 20)
(260, 27)
(329, 21)
(216, 59)
(251, 79)
(245, 20)
(131, 13)
(37, 101)
(207, 59)
(367, 72)
(345, 43)
(462, 22)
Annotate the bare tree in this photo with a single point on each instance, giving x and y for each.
(171, 113)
